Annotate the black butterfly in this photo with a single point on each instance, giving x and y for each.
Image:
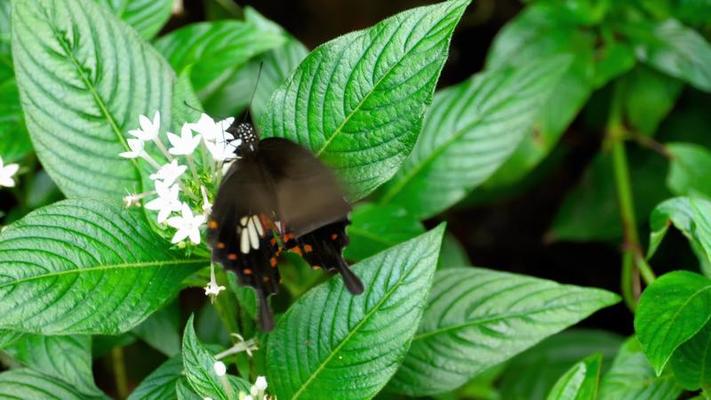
(277, 196)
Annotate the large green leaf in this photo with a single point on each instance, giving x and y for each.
(524, 379)
(470, 130)
(8, 337)
(691, 362)
(333, 343)
(213, 48)
(689, 169)
(478, 318)
(580, 382)
(374, 228)
(29, 384)
(545, 30)
(5, 11)
(83, 267)
(671, 311)
(161, 383)
(358, 101)
(84, 79)
(674, 49)
(67, 358)
(145, 16)
(631, 378)
(680, 213)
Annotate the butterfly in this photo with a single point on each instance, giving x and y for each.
(277, 196)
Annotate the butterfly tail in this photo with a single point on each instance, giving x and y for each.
(352, 282)
(266, 317)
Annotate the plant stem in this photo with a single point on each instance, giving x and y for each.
(119, 368)
(633, 261)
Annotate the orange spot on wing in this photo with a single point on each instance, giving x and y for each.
(247, 271)
(232, 256)
(273, 262)
(308, 248)
(220, 245)
(212, 224)
(297, 250)
(334, 236)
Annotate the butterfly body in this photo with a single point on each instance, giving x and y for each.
(277, 196)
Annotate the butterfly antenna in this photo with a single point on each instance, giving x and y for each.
(254, 92)
(191, 107)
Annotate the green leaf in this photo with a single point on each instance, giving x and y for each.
(145, 16)
(470, 130)
(184, 391)
(581, 382)
(648, 96)
(544, 30)
(679, 212)
(701, 215)
(161, 383)
(478, 318)
(5, 54)
(358, 101)
(691, 362)
(674, 49)
(689, 169)
(67, 358)
(524, 379)
(79, 100)
(452, 254)
(199, 367)
(160, 330)
(29, 384)
(631, 378)
(671, 311)
(375, 228)
(333, 343)
(8, 337)
(88, 268)
(14, 141)
(213, 48)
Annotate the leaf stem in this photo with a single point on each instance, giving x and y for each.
(633, 262)
(119, 368)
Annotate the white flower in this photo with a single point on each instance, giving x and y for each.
(136, 146)
(149, 129)
(261, 383)
(167, 201)
(169, 173)
(185, 144)
(222, 150)
(6, 174)
(220, 368)
(212, 289)
(187, 224)
(211, 130)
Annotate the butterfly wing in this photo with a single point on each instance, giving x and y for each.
(241, 230)
(312, 206)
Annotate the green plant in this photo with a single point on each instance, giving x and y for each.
(85, 276)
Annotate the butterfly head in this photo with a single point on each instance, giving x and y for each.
(247, 135)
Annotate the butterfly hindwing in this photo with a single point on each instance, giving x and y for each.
(242, 229)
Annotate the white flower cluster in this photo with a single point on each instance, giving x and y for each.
(169, 186)
(6, 174)
(182, 203)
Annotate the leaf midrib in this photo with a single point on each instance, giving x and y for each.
(482, 321)
(94, 93)
(355, 329)
(356, 109)
(107, 267)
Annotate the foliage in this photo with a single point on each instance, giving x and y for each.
(83, 277)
